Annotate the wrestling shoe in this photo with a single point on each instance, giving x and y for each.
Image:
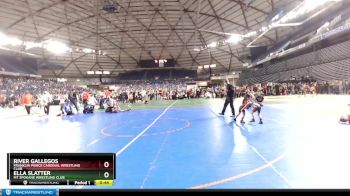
(261, 122)
(253, 120)
(221, 114)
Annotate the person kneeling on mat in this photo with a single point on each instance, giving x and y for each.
(113, 107)
(67, 108)
(345, 119)
(90, 106)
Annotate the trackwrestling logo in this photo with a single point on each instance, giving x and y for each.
(32, 192)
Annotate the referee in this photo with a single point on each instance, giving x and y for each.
(230, 91)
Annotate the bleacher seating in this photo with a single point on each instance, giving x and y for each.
(334, 52)
(160, 74)
(135, 75)
(17, 65)
(330, 63)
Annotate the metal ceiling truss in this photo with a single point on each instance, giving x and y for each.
(141, 30)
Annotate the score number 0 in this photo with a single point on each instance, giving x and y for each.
(106, 165)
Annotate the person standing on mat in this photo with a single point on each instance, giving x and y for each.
(27, 100)
(47, 99)
(74, 100)
(230, 91)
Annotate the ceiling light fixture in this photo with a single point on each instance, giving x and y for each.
(56, 47)
(6, 40)
(212, 45)
(235, 38)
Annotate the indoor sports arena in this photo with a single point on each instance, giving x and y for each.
(174, 94)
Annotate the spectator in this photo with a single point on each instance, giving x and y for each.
(27, 101)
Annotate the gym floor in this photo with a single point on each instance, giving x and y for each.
(185, 144)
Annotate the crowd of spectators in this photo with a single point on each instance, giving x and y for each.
(338, 87)
(13, 88)
(143, 91)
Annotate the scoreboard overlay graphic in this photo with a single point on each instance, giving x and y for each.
(61, 169)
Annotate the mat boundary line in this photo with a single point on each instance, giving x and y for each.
(144, 131)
